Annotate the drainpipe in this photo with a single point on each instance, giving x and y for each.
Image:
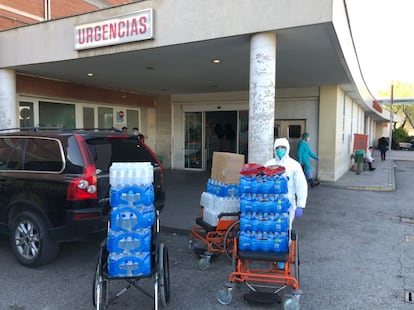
(46, 5)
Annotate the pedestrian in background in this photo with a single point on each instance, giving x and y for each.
(304, 156)
(383, 147)
(135, 131)
(141, 137)
(369, 159)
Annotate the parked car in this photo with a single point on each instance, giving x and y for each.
(54, 186)
(406, 145)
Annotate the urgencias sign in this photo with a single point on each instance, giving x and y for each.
(136, 26)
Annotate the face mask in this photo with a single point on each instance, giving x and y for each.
(280, 153)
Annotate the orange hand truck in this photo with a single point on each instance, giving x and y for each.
(266, 274)
(218, 239)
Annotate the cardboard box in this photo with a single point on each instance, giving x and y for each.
(226, 167)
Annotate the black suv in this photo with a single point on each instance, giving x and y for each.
(54, 186)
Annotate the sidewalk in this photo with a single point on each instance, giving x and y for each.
(183, 188)
(381, 179)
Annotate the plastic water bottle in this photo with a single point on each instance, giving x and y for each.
(257, 240)
(280, 184)
(245, 202)
(282, 204)
(114, 175)
(123, 218)
(209, 188)
(245, 186)
(245, 241)
(245, 221)
(127, 265)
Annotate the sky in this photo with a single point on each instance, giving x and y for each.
(383, 32)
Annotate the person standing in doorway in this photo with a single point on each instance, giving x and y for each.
(304, 156)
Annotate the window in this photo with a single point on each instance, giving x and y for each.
(43, 155)
(88, 117)
(10, 153)
(106, 151)
(105, 117)
(26, 117)
(294, 131)
(59, 115)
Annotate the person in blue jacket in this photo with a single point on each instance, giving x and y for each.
(304, 155)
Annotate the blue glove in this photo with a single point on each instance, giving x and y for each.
(298, 212)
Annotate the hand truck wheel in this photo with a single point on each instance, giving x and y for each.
(100, 292)
(164, 275)
(228, 241)
(224, 296)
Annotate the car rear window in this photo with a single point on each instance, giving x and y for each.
(108, 150)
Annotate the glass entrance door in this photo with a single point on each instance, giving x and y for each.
(193, 143)
(291, 129)
(221, 133)
(209, 132)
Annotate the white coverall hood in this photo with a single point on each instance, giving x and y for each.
(282, 142)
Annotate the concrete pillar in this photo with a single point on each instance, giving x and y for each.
(262, 91)
(8, 117)
(330, 145)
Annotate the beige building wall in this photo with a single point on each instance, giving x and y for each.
(339, 119)
(148, 121)
(330, 120)
(163, 133)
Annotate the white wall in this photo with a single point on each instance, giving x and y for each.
(176, 22)
(290, 104)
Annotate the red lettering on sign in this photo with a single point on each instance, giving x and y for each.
(143, 24)
(89, 34)
(121, 30)
(105, 32)
(376, 106)
(97, 32)
(134, 27)
(113, 30)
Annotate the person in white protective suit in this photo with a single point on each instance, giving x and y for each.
(297, 184)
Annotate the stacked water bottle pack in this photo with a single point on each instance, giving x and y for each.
(264, 206)
(131, 219)
(219, 198)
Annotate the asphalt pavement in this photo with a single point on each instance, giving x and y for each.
(356, 251)
(356, 236)
(184, 187)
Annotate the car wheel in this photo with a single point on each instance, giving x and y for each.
(30, 240)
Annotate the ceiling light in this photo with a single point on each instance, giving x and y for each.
(90, 74)
(216, 61)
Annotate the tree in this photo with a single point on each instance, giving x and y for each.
(406, 111)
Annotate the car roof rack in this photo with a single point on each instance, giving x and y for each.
(112, 129)
(40, 128)
(32, 129)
